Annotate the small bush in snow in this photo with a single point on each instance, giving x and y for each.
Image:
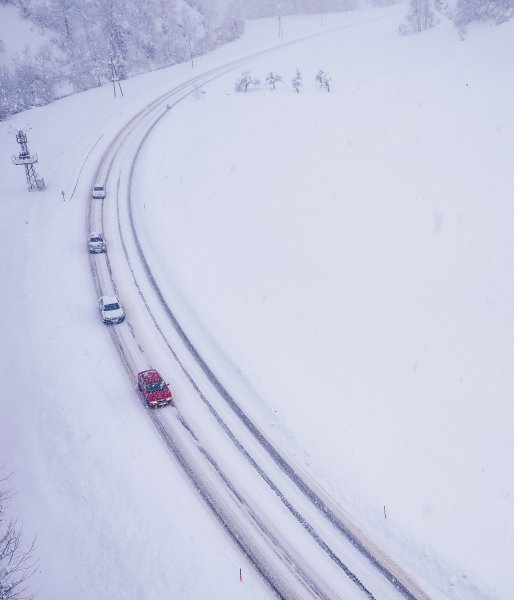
(272, 79)
(324, 80)
(245, 81)
(297, 81)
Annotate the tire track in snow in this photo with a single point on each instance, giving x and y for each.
(271, 577)
(284, 465)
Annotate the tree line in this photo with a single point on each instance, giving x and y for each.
(423, 14)
(88, 36)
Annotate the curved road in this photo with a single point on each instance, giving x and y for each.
(288, 508)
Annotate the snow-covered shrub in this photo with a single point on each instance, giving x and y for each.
(296, 81)
(245, 81)
(272, 79)
(324, 80)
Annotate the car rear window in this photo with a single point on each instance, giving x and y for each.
(155, 386)
(113, 306)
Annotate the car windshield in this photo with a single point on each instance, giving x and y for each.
(96, 239)
(98, 188)
(155, 386)
(113, 306)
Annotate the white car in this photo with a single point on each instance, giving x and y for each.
(111, 310)
(98, 191)
(96, 243)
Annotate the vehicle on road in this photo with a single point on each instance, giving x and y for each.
(111, 310)
(99, 191)
(154, 389)
(96, 243)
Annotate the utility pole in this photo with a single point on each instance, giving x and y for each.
(280, 7)
(28, 160)
(190, 51)
(114, 77)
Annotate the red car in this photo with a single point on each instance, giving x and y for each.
(154, 388)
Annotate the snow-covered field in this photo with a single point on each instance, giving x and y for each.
(342, 259)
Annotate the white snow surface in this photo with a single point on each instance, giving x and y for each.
(344, 262)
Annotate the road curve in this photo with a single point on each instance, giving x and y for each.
(104, 279)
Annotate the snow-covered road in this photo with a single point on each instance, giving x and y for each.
(259, 497)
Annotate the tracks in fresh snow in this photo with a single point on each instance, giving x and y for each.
(288, 507)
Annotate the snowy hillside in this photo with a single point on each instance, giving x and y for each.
(17, 34)
(49, 50)
(342, 259)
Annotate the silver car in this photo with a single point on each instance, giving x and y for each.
(98, 191)
(96, 243)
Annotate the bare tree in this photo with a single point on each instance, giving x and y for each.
(17, 563)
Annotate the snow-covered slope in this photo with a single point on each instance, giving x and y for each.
(343, 258)
(360, 244)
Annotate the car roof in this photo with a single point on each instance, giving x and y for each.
(95, 234)
(151, 375)
(109, 299)
(98, 185)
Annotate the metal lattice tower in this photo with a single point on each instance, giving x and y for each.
(28, 160)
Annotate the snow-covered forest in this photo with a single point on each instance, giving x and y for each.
(85, 43)
(83, 39)
(423, 14)
(460, 11)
